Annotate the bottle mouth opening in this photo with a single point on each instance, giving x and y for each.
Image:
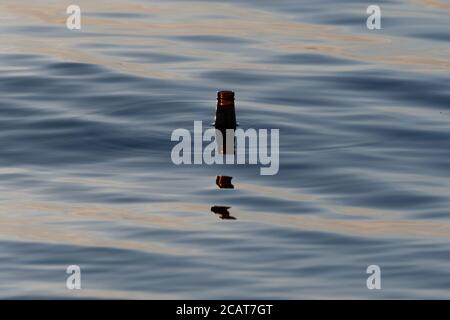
(225, 95)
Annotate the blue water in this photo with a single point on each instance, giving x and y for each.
(86, 176)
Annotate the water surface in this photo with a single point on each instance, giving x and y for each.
(86, 176)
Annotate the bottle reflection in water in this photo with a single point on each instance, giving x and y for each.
(223, 212)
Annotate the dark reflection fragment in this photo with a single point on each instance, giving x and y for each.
(223, 212)
(224, 182)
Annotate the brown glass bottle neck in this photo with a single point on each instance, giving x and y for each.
(225, 103)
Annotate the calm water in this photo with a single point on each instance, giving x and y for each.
(86, 176)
